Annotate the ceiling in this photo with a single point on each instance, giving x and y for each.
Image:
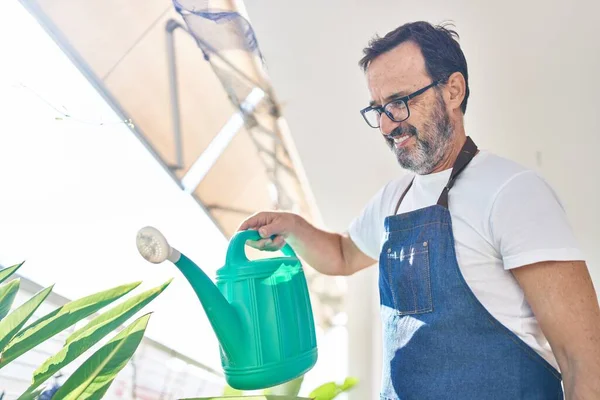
(122, 46)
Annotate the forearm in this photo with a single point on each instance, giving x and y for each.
(582, 379)
(320, 249)
(564, 301)
(328, 253)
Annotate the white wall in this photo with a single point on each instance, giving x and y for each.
(535, 95)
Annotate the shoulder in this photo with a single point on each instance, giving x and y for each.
(495, 188)
(506, 192)
(495, 169)
(491, 174)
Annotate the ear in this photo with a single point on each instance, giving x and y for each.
(456, 89)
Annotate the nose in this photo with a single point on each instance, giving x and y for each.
(386, 125)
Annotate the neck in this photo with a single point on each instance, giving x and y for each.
(458, 140)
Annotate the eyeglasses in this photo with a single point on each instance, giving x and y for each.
(396, 110)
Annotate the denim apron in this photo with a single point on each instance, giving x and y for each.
(439, 341)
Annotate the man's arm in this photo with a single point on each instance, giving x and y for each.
(327, 252)
(563, 299)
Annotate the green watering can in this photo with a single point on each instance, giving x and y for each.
(260, 310)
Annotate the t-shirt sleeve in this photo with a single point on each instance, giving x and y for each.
(367, 228)
(528, 223)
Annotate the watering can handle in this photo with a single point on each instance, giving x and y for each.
(236, 253)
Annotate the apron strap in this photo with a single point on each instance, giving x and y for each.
(465, 156)
(402, 197)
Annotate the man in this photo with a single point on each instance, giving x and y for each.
(484, 293)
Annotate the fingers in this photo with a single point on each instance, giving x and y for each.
(256, 221)
(278, 242)
(253, 222)
(267, 223)
(274, 227)
(268, 244)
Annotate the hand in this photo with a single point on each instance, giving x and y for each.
(273, 227)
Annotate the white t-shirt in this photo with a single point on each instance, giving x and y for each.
(503, 216)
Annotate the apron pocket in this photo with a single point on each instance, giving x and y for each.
(408, 272)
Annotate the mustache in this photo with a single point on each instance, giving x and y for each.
(399, 131)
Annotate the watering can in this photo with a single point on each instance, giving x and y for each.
(260, 310)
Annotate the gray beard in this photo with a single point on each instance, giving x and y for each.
(432, 144)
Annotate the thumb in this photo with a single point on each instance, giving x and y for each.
(273, 228)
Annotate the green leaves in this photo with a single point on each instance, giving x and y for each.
(6, 272)
(60, 319)
(121, 312)
(7, 296)
(30, 396)
(349, 383)
(83, 339)
(10, 325)
(330, 390)
(93, 378)
(9, 290)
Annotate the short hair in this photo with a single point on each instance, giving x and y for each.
(439, 46)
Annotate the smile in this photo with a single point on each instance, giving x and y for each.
(399, 141)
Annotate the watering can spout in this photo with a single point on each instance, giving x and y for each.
(222, 316)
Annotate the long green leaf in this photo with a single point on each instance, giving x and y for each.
(93, 378)
(119, 310)
(8, 292)
(30, 395)
(10, 325)
(60, 319)
(331, 390)
(326, 391)
(6, 272)
(109, 295)
(349, 383)
(82, 340)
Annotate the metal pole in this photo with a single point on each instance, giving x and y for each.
(206, 47)
(174, 91)
(217, 146)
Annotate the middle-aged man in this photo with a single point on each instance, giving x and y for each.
(484, 293)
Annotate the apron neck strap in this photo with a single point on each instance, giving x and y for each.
(402, 197)
(465, 156)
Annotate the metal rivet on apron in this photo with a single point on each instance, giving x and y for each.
(389, 250)
(424, 244)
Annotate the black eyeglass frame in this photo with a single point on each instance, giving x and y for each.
(404, 99)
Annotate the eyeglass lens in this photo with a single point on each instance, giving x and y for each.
(398, 111)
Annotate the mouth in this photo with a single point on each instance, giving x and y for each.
(401, 141)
